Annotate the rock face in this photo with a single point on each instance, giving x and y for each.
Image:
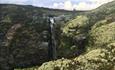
(10, 34)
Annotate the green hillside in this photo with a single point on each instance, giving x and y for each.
(86, 42)
(90, 38)
(21, 33)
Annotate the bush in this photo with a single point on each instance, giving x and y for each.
(102, 34)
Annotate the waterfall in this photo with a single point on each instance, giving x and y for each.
(51, 42)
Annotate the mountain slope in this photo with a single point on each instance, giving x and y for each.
(92, 35)
(22, 41)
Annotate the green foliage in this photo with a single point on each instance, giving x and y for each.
(94, 26)
(74, 31)
(62, 64)
(76, 26)
(26, 45)
(95, 29)
(104, 59)
(99, 29)
(101, 34)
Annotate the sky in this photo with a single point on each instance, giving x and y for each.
(60, 4)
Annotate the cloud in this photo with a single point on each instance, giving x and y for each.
(84, 6)
(100, 1)
(80, 4)
(58, 5)
(63, 5)
(13, 1)
(68, 5)
(92, 5)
